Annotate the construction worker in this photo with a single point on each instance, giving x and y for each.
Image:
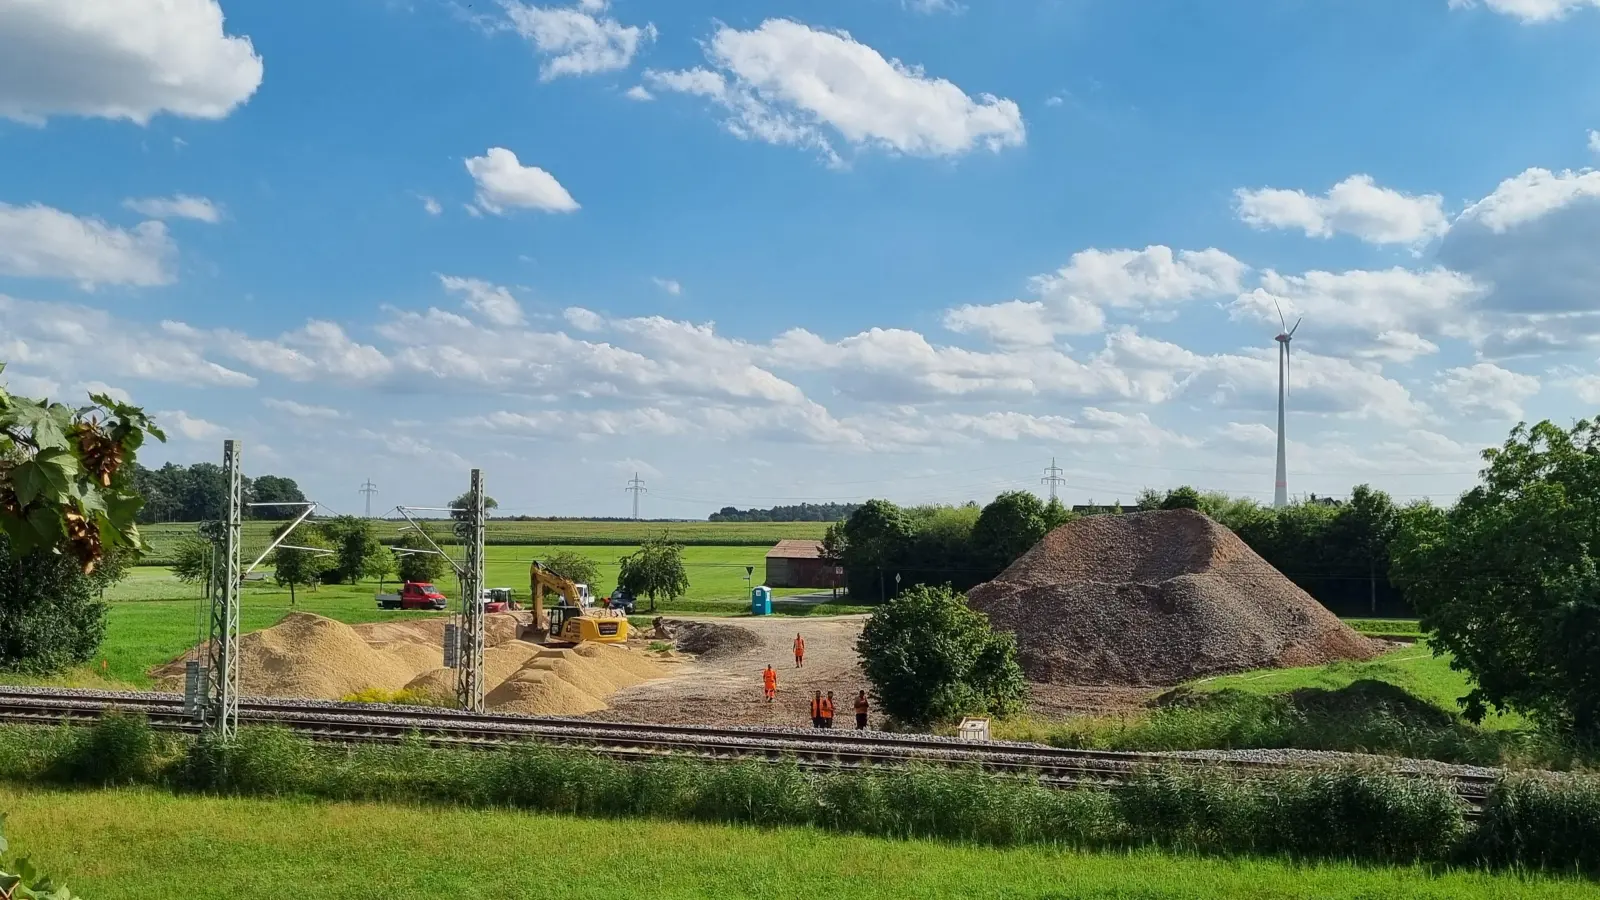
(799, 651)
(769, 682)
(816, 710)
(861, 711)
(827, 710)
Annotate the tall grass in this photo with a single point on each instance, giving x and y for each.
(1531, 822)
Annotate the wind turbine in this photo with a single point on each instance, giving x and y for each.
(1280, 490)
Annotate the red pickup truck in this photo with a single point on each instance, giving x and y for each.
(414, 595)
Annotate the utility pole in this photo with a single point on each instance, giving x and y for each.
(1053, 477)
(369, 489)
(469, 675)
(222, 707)
(636, 487)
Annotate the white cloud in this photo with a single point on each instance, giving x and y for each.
(640, 93)
(933, 6)
(1323, 385)
(317, 349)
(1594, 141)
(431, 206)
(80, 342)
(1587, 387)
(1531, 195)
(1355, 206)
(184, 425)
(669, 285)
(178, 206)
(1138, 279)
(1019, 323)
(1485, 389)
(576, 40)
(787, 83)
(300, 410)
(121, 59)
(504, 182)
(491, 301)
(1529, 11)
(43, 242)
(583, 319)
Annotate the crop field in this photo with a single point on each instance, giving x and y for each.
(154, 617)
(142, 843)
(163, 538)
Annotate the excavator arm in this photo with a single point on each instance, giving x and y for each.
(542, 579)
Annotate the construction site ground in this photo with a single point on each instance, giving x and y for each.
(722, 686)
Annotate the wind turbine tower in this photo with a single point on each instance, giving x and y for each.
(1280, 491)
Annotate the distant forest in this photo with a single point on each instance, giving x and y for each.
(805, 512)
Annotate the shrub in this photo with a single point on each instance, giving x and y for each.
(119, 749)
(1541, 821)
(51, 614)
(932, 658)
(402, 697)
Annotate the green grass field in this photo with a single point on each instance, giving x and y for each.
(139, 844)
(163, 538)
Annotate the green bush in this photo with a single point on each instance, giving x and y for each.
(1541, 821)
(932, 658)
(117, 750)
(51, 614)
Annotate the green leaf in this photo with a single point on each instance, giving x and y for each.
(90, 498)
(29, 481)
(49, 423)
(3, 845)
(25, 869)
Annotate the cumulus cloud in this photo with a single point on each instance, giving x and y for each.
(300, 410)
(640, 93)
(317, 349)
(788, 83)
(184, 425)
(670, 285)
(40, 241)
(1531, 195)
(1485, 389)
(577, 40)
(79, 341)
(1594, 141)
(504, 183)
(178, 206)
(121, 59)
(431, 206)
(491, 301)
(1529, 11)
(1355, 206)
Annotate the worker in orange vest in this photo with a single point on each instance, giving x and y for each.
(861, 711)
(827, 710)
(769, 683)
(799, 651)
(816, 710)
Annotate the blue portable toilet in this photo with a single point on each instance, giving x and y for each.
(761, 601)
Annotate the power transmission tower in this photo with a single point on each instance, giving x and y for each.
(1053, 477)
(369, 489)
(469, 675)
(636, 487)
(222, 707)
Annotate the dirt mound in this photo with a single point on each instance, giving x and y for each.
(306, 655)
(1157, 598)
(571, 681)
(712, 640)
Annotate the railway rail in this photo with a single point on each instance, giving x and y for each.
(373, 723)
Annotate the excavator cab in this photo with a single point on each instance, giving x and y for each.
(571, 622)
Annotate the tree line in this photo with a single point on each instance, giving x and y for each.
(199, 493)
(805, 512)
(1336, 551)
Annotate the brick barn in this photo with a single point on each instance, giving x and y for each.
(799, 564)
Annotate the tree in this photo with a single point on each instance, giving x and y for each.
(835, 544)
(575, 566)
(876, 538)
(1507, 580)
(1007, 528)
(1056, 515)
(424, 564)
(274, 489)
(355, 546)
(51, 614)
(65, 477)
(460, 506)
(293, 567)
(932, 658)
(654, 570)
(193, 562)
(1181, 498)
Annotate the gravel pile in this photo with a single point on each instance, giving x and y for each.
(712, 640)
(1157, 598)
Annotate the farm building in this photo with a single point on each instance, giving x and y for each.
(799, 564)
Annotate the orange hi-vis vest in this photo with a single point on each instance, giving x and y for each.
(769, 678)
(827, 708)
(799, 646)
(816, 708)
(861, 706)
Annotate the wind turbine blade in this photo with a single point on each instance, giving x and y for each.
(1296, 325)
(1281, 323)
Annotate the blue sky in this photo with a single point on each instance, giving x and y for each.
(765, 252)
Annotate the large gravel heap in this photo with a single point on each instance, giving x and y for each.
(1157, 598)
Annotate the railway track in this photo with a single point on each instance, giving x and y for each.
(369, 723)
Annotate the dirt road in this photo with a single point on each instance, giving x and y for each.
(723, 686)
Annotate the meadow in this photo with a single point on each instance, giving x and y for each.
(135, 843)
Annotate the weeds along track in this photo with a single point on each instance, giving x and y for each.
(373, 723)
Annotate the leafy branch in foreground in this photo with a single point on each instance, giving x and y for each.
(25, 883)
(63, 475)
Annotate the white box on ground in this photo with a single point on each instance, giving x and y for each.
(974, 729)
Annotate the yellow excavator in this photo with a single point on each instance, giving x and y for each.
(575, 619)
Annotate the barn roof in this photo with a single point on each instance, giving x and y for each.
(796, 550)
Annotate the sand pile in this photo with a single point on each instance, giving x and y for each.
(571, 682)
(1157, 598)
(306, 655)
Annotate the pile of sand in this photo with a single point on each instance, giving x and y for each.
(1157, 598)
(306, 655)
